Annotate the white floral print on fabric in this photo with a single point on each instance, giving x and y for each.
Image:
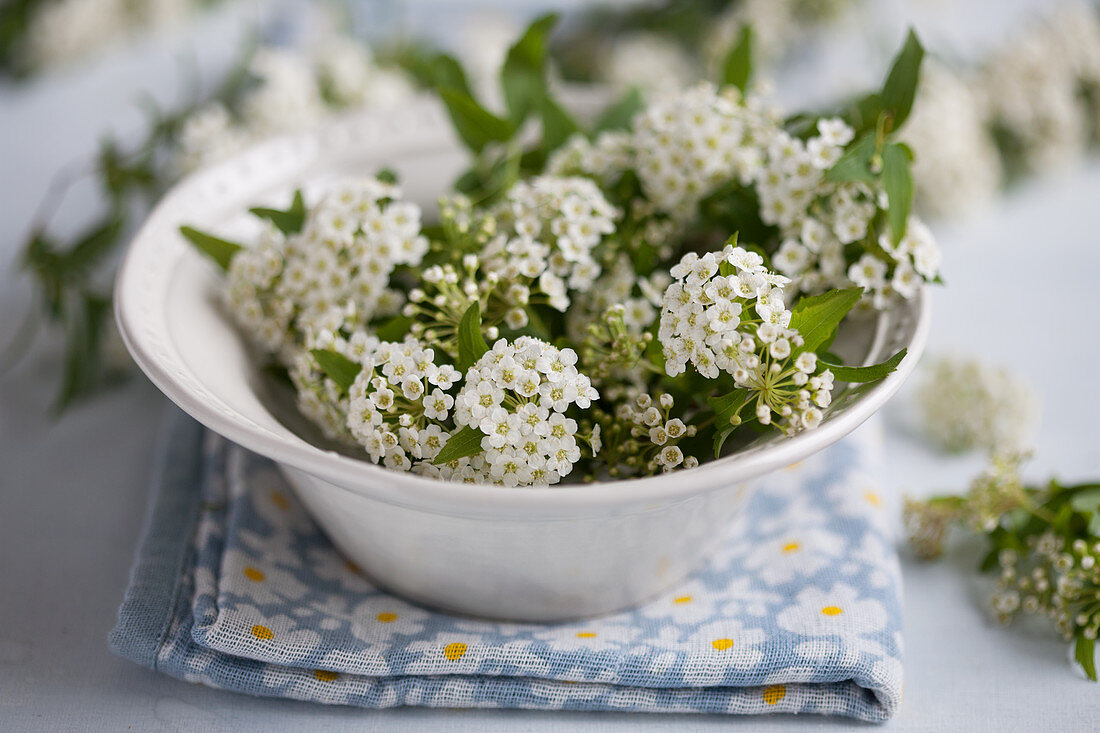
(798, 612)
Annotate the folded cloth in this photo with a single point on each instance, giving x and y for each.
(235, 587)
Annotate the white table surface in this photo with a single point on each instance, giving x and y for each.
(72, 495)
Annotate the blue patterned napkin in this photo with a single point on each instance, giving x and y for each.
(235, 587)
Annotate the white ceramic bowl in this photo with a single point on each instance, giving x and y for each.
(539, 554)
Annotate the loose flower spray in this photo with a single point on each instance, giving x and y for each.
(1043, 540)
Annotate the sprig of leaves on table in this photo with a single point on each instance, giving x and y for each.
(1044, 540)
(72, 277)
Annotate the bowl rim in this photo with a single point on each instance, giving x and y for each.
(365, 478)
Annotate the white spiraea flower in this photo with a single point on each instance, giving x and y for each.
(320, 399)
(292, 88)
(619, 285)
(1032, 88)
(61, 32)
(958, 169)
(737, 323)
(208, 135)
(967, 403)
(688, 144)
(349, 76)
(647, 62)
(604, 159)
(812, 252)
(517, 394)
(399, 404)
(287, 96)
(776, 25)
(548, 228)
(285, 287)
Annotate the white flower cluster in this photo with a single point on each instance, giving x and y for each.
(319, 398)
(778, 26)
(604, 159)
(292, 89)
(639, 297)
(1033, 87)
(398, 403)
(651, 423)
(305, 282)
(812, 252)
(737, 323)
(548, 229)
(683, 147)
(647, 62)
(687, 145)
(968, 403)
(62, 32)
(517, 395)
(959, 168)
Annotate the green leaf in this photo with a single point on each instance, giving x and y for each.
(446, 72)
(871, 373)
(94, 245)
(476, 125)
(855, 164)
(337, 367)
(387, 175)
(394, 329)
(864, 112)
(290, 221)
(901, 84)
(727, 408)
(990, 560)
(720, 440)
(557, 125)
(812, 301)
(523, 75)
(83, 344)
(1086, 501)
(816, 318)
(737, 69)
(897, 177)
(471, 344)
(218, 249)
(1094, 525)
(466, 442)
(1084, 651)
(620, 115)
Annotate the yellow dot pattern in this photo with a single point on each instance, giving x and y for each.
(325, 675)
(774, 693)
(254, 574)
(279, 499)
(791, 547)
(682, 599)
(873, 498)
(722, 644)
(586, 634)
(386, 617)
(263, 633)
(832, 610)
(454, 650)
